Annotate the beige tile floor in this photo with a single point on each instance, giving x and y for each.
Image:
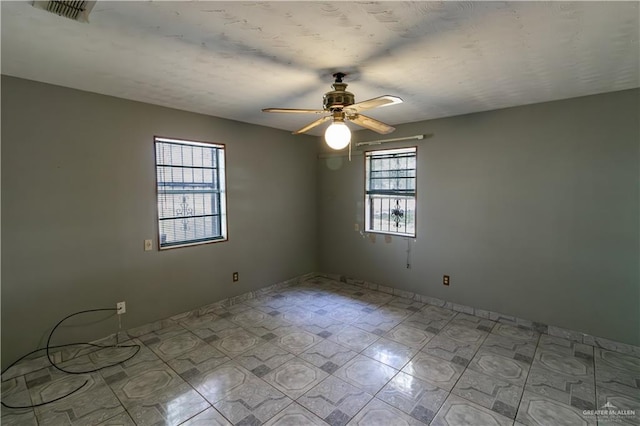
(325, 352)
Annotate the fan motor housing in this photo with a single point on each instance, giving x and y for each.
(337, 98)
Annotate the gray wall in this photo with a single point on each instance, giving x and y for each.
(532, 211)
(78, 200)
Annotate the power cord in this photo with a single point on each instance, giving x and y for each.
(48, 347)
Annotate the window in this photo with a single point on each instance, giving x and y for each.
(191, 193)
(390, 191)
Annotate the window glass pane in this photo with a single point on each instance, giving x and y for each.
(390, 191)
(396, 215)
(391, 172)
(195, 229)
(190, 192)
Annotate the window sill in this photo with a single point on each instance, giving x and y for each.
(397, 234)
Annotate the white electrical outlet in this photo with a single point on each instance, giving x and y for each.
(148, 245)
(122, 308)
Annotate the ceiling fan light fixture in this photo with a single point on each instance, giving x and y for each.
(337, 135)
(341, 105)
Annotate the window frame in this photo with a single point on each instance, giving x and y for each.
(367, 224)
(222, 179)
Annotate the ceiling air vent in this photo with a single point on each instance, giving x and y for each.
(76, 10)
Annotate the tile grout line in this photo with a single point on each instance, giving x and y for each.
(295, 401)
(398, 371)
(166, 364)
(121, 404)
(595, 385)
(463, 371)
(190, 385)
(524, 386)
(211, 405)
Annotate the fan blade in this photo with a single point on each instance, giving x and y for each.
(294, 110)
(380, 101)
(313, 124)
(371, 124)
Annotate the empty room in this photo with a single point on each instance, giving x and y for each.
(320, 213)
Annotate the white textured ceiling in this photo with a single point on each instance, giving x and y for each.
(231, 59)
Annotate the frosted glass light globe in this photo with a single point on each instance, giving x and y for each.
(337, 135)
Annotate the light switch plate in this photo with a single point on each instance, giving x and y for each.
(148, 245)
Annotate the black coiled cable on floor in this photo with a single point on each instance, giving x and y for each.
(48, 348)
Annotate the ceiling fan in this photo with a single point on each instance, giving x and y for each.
(339, 106)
